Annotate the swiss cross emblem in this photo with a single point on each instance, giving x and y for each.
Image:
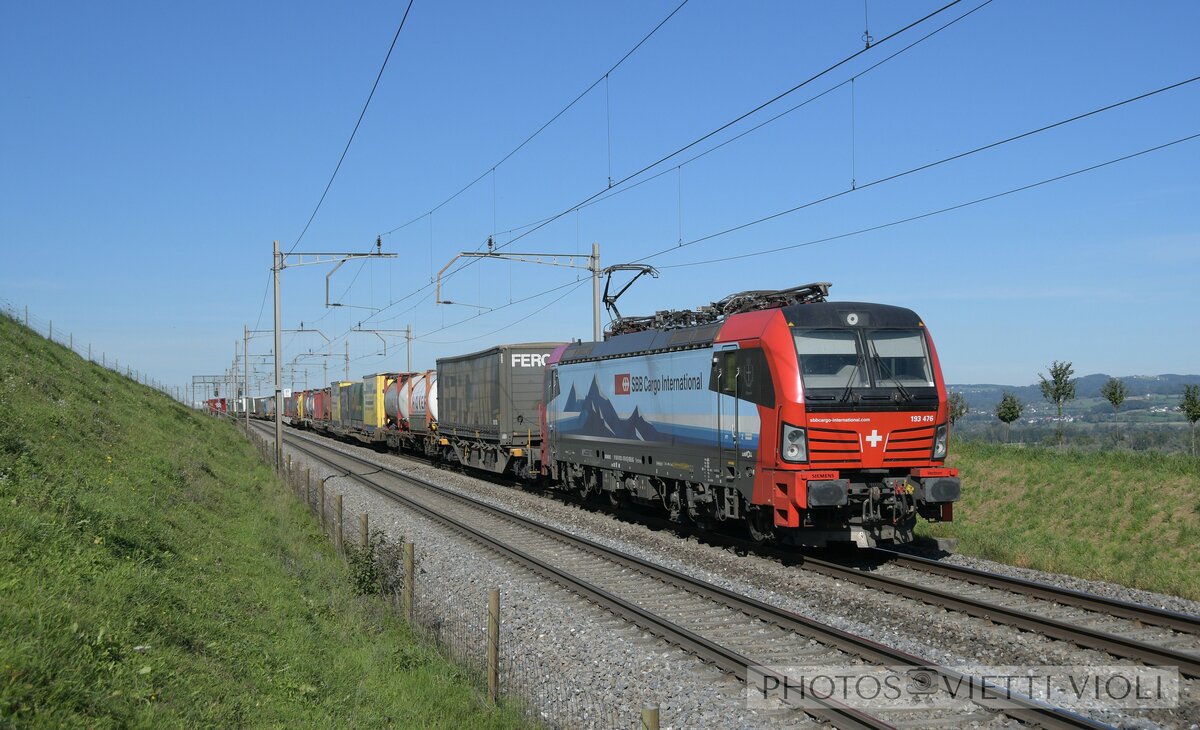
(874, 438)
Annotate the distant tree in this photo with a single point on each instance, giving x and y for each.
(1009, 410)
(1190, 405)
(1059, 389)
(1114, 392)
(956, 407)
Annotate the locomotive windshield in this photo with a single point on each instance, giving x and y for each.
(865, 369)
(830, 358)
(900, 356)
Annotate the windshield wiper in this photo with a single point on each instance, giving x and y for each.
(883, 368)
(849, 389)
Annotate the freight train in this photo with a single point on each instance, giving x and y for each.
(799, 420)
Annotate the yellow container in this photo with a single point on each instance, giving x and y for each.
(374, 386)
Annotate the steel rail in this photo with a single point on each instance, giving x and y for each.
(1175, 620)
(1188, 664)
(1027, 709)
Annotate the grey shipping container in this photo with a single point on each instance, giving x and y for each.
(356, 405)
(349, 405)
(494, 393)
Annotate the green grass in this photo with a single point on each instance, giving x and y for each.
(154, 573)
(1130, 518)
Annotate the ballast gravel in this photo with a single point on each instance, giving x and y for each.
(579, 665)
(586, 653)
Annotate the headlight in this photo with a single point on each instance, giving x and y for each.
(939, 443)
(794, 446)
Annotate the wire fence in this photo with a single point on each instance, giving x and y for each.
(46, 329)
(459, 629)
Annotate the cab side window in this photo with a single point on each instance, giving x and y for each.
(744, 374)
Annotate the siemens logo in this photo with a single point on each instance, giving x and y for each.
(529, 360)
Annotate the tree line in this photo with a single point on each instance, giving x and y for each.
(1058, 388)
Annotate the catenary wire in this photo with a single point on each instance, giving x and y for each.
(542, 128)
(491, 170)
(932, 213)
(613, 193)
(926, 166)
(261, 307)
(571, 286)
(361, 114)
(735, 120)
(895, 176)
(502, 307)
(545, 221)
(575, 285)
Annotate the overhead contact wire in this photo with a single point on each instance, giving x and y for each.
(613, 193)
(564, 110)
(931, 213)
(609, 191)
(737, 119)
(357, 124)
(926, 166)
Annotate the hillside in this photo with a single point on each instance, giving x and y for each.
(155, 574)
(1123, 517)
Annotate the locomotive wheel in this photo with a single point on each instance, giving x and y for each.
(760, 533)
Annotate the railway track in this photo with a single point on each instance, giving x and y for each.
(1146, 634)
(731, 631)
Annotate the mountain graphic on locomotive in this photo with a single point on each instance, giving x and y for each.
(802, 421)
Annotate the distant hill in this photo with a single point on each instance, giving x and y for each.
(987, 395)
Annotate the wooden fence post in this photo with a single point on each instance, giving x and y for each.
(308, 489)
(493, 647)
(338, 529)
(649, 717)
(321, 503)
(409, 580)
(364, 536)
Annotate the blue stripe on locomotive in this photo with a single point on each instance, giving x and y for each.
(665, 400)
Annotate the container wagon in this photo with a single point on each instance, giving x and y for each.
(489, 405)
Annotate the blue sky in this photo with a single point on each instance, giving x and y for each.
(150, 153)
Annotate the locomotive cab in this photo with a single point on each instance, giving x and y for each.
(862, 445)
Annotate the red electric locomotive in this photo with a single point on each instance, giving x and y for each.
(809, 421)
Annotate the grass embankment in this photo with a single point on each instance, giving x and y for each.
(154, 573)
(1129, 518)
